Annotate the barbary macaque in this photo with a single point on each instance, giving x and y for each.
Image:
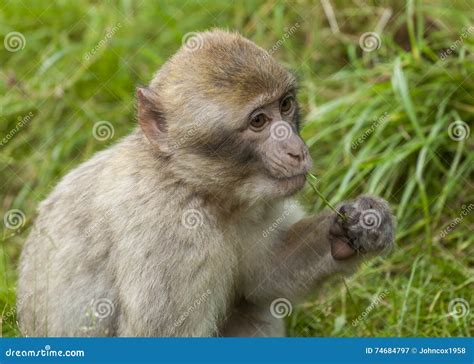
(167, 232)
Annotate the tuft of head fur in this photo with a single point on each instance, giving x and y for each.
(224, 72)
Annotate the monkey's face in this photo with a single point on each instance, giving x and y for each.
(227, 116)
(253, 152)
(281, 157)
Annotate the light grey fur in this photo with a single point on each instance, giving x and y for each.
(134, 243)
(112, 229)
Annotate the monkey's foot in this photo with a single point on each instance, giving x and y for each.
(368, 226)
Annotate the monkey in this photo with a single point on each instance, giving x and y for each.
(190, 226)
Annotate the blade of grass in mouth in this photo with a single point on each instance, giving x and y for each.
(312, 181)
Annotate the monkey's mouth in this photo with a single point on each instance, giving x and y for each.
(291, 184)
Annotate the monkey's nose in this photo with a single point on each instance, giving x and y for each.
(296, 156)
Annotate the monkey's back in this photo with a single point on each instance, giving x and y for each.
(65, 251)
(110, 231)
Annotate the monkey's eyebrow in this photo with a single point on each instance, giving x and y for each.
(293, 90)
(289, 90)
(264, 99)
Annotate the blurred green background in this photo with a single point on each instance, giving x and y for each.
(388, 113)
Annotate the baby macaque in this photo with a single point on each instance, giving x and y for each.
(188, 226)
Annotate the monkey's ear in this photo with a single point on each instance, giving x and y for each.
(151, 117)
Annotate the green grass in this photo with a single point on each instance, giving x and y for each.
(399, 100)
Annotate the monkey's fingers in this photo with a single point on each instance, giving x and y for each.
(340, 249)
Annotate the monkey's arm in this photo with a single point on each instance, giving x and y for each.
(301, 258)
(321, 245)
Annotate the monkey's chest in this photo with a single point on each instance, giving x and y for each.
(251, 247)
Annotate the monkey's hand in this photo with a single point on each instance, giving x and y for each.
(367, 228)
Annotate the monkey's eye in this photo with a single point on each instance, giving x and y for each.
(287, 104)
(258, 122)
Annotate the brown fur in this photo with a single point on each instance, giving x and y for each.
(117, 229)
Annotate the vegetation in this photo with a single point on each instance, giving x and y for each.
(386, 113)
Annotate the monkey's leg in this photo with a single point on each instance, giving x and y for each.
(250, 320)
(319, 246)
(171, 298)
